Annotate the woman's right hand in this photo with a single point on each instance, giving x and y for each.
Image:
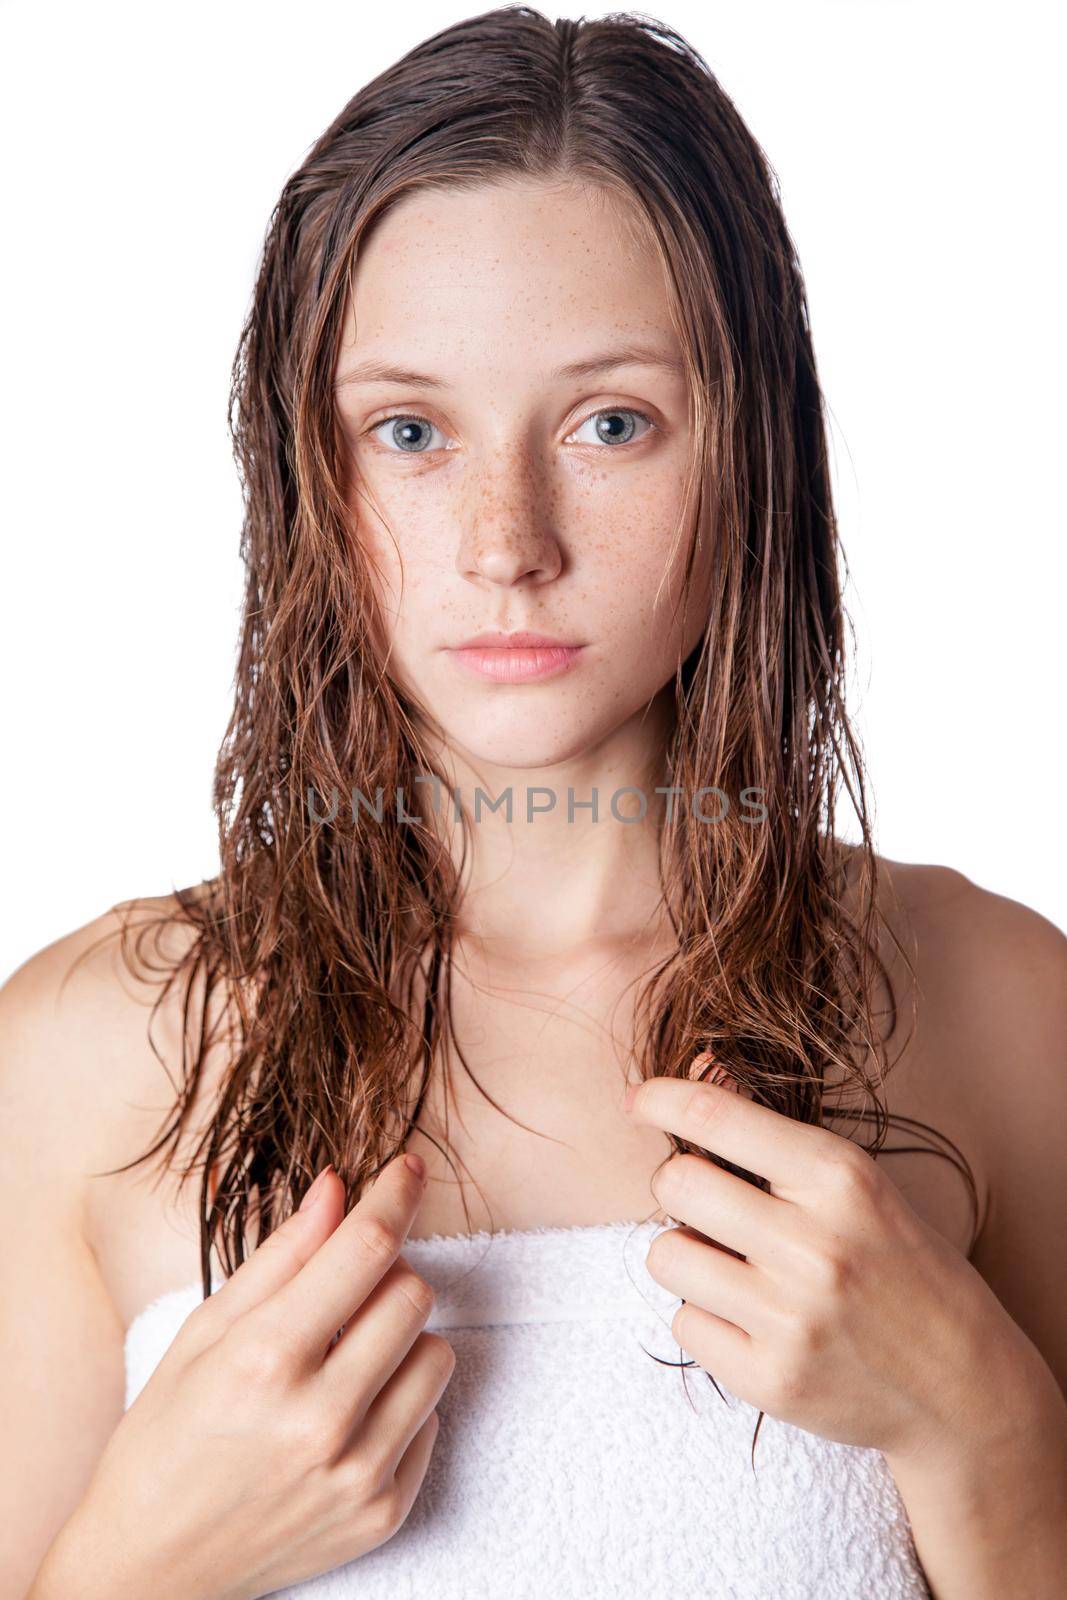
(259, 1453)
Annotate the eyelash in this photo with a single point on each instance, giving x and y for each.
(602, 411)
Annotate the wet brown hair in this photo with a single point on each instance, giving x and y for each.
(332, 946)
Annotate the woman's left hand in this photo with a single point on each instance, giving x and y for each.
(848, 1316)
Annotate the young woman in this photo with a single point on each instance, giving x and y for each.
(529, 355)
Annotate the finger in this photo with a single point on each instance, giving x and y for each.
(413, 1467)
(323, 1287)
(705, 1069)
(720, 1121)
(373, 1344)
(284, 1251)
(406, 1400)
(724, 1207)
(687, 1265)
(723, 1350)
(308, 1310)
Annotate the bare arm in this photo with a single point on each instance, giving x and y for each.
(331, 1438)
(993, 1520)
(61, 1341)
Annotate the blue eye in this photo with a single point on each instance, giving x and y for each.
(613, 434)
(404, 431)
(410, 434)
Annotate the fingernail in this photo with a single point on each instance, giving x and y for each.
(316, 1188)
(417, 1165)
(718, 1075)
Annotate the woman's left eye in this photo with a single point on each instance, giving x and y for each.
(409, 434)
(607, 429)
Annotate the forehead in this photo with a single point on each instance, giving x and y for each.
(507, 267)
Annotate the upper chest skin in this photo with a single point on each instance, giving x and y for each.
(554, 1050)
(556, 1057)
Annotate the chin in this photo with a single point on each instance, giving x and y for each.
(521, 744)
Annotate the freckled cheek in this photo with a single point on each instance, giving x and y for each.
(633, 542)
(608, 506)
(645, 582)
(408, 538)
(415, 593)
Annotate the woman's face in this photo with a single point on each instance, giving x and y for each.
(495, 489)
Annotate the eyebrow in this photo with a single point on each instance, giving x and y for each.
(376, 371)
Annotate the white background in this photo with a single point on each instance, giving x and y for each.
(920, 155)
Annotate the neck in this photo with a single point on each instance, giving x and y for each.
(553, 874)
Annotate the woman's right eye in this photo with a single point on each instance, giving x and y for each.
(408, 435)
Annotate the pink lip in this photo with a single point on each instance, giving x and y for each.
(516, 657)
(520, 640)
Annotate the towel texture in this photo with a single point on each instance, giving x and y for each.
(571, 1463)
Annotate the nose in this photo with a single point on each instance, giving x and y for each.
(508, 533)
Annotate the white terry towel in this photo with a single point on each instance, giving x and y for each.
(570, 1465)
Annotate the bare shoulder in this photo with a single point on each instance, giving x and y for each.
(89, 1030)
(990, 969)
(953, 901)
(983, 961)
(63, 1014)
(71, 1010)
(990, 1054)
